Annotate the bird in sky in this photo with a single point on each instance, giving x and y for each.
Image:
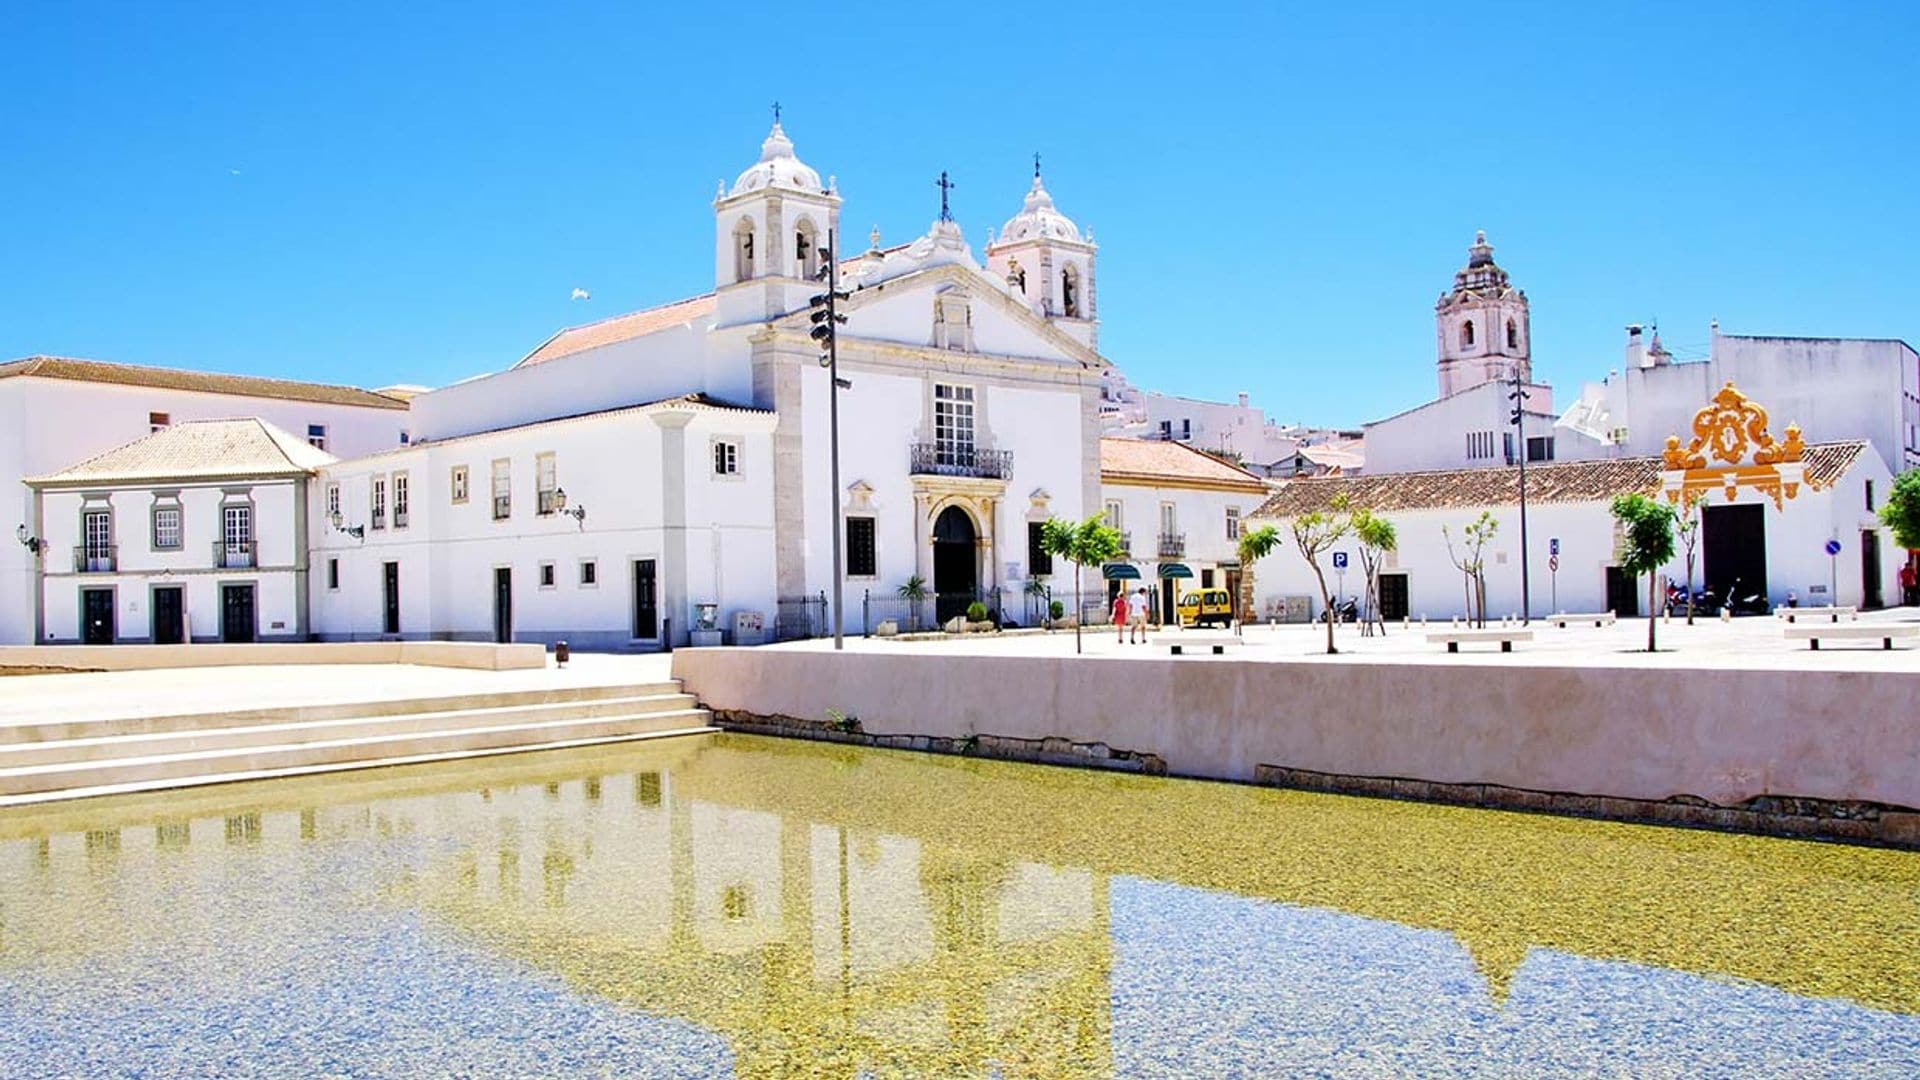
(581, 294)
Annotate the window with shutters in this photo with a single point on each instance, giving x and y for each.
(457, 484)
(379, 520)
(502, 489)
(546, 481)
(862, 557)
(400, 486)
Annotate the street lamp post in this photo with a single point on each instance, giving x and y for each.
(1519, 398)
(826, 330)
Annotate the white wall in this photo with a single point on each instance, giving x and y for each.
(1795, 538)
(610, 464)
(49, 424)
(192, 566)
(1434, 436)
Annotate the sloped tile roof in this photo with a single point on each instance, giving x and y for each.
(634, 324)
(1157, 461)
(198, 450)
(205, 382)
(679, 403)
(1560, 482)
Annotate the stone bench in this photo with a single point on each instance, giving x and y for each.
(1563, 620)
(1179, 643)
(1453, 639)
(1884, 633)
(1813, 614)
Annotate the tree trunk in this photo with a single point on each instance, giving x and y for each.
(1245, 598)
(1327, 599)
(1689, 586)
(1079, 609)
(1653, 607)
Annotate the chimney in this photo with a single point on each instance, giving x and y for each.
(1243, 399)
(1636, 348)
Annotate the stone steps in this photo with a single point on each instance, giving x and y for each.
(121, 754)
(54, 729)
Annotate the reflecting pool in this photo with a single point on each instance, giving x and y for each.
(743, 906)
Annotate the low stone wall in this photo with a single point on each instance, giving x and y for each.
(1825, 754)
(451, 654)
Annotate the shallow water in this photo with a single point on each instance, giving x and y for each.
(744, 906)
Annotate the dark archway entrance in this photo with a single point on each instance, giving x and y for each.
(955, 563)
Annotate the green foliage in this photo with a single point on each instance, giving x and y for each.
(1082, 543)
(1647, 533)
(840, 721)
(1257, 544)
(1056, 609)
(976, 612)
(1313, 533)
(915, 589)
(1901, 511)
(1374, 532)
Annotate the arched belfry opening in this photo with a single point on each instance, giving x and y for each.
(1466, 334)
(743, 250)
(956, 562)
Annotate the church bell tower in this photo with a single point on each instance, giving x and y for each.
(1482, 325)
(770, 229)
(1042, 257)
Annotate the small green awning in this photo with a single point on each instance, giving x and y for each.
(1174, 570)
(1119, 571)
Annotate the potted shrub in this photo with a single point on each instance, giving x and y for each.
(977, 616)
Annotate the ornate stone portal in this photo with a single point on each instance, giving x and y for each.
(1732, 430)
(979, 498)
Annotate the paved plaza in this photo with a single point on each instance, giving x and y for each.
(1756, 642)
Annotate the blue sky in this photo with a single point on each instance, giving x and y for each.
(409, 193)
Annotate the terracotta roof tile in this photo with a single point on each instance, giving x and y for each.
(205, 382)
(198, 450)
(1561, 482)
(1151, 461)
(634, 324)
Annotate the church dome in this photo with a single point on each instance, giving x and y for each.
(778, 168)
(1038, 220)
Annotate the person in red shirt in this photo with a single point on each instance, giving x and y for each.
(1120, 615)
(1909, 585)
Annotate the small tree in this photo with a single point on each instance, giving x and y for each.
(1083, 543)
(1687, 531)
(1646, 544)
(914, 592)
(1254, 545)
(1313, 533)
(1377, 537)
(1471, 563)
(1901, 511)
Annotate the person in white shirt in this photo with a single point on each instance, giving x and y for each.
(1137, 617)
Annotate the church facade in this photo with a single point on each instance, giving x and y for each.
(627, 473)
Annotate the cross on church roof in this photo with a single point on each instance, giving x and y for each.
(776, 112)
(1036, 164)
(945, 185)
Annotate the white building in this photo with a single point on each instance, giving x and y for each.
(972, 412)
(1747, 546)
(197, 532)
(57, 411)
(1179, 511)
(1857, 387)
(597, 529)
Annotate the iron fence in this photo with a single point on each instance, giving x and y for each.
(801, 617)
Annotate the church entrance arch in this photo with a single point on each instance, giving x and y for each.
(955, 562)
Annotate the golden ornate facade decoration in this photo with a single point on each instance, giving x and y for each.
(1732, 430)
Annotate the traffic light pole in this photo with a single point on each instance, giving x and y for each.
(827, 320)
(1519, 397)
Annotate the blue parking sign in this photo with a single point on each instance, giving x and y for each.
(1339, 560)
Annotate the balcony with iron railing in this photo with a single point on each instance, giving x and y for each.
(1173, 545)
(934, 459)
(96, 558)
(239, 556)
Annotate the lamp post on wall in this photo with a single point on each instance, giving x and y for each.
(29, 541)
(1518, 395)
(826, 319)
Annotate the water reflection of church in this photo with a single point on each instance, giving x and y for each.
(812, 948)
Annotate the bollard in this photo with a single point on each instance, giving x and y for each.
(561, 654)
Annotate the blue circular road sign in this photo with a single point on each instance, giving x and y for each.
(1833, 547)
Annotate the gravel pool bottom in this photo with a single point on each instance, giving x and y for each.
(732, 905)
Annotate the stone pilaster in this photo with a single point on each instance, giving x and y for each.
(673, 555)
(776, 386)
